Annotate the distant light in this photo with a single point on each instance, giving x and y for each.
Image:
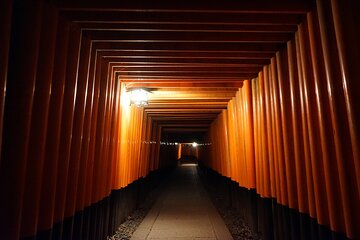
(139, 97)
(176, 143)
(194, 144)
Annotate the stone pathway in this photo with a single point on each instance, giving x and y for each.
(183, 211)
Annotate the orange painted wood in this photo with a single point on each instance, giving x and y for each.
(106, 182)
(18, 112)
(313, 133)
(263, 139)
(349, 55)
(250, 133)
(284, 97)
(279, 141)
(49, 178)
(240, 158)
(116, 140)
(85, 144)
(296, 128)
(100, 132)
(232, 139)
(256, 138)
(67, 122)
(93, 134)
(331, 184)
(337, 111)
(348, 50)
(270, 132)
(78, 126)
(39, 122)
(304, 127)
(115, 134)
(273, 126)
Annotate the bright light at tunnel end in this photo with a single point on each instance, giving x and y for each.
(139, 97)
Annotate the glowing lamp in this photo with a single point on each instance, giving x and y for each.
(139, 97)
(194, 144)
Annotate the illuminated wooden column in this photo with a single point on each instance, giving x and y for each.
(254, 89)
(341, 109)
(287, 134)
(345, 18)
(115, 132)
(271, 76)
(270, 131)
(24, 51)
(247, 127)
(67, 122)
(49, 178)
(297, 128)
(264, 153)
(39, 122)
(78, 124)
(98, 168)
(304, 132)
(279, 160)
(87, 128)
(347, 42)
(90, 168)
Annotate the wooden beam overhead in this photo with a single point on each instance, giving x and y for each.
(193, 56)
(209, 6)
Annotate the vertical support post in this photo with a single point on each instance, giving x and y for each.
(39, 123)
(20, 85)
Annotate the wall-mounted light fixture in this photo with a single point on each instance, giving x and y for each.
(194, 144)
(139, 97)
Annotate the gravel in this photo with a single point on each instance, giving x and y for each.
(127, 228)
(237, 226)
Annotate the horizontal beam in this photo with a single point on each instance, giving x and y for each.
(177, 27)
(203, 37)
(209, 6)
(195, 54)
(179, 86)
(188, 46)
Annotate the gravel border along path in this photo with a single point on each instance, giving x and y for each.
(238, 228)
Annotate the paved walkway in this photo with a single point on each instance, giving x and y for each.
(183, 211)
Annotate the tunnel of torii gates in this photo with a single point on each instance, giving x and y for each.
(272, 88)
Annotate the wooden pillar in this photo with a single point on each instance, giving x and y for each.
(323, 114)
(39, 122)
(100, 128)
(263, 140)
(78, 124)
(296, 128)
(346, 18)
(339, 119)
(304, 128)
(5, 31)
(110, 129)
(49, 178)
(20, 85)
(67, 122)
(93, 134)
(279, 140)
(85, 145)
(272, 76)
(270, 131)
(287, 134)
